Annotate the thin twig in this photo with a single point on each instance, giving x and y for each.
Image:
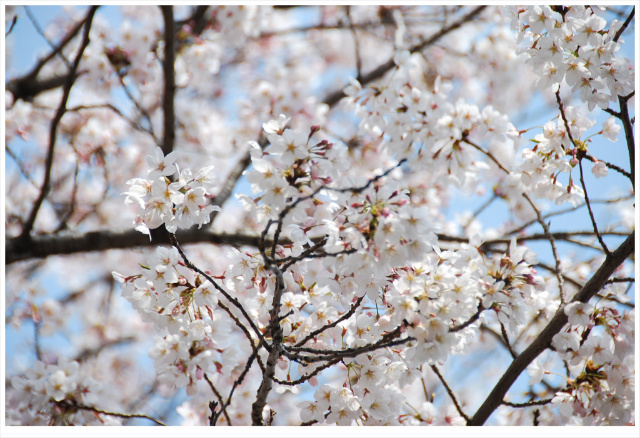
(229, 184)
(21, 167)
(74, 405)
(36, 25)
(347, 315)
(53, 131)
(611, 166)
(554, 250)
(237, 383)
(507, 344)
(541, 221)
(628, 132)
(219, 397)
(143, 112)
(26, 87)
(307, 376)
(584, 187)
(450, 392)
(356, 44)
(593, 220)
(479, 210)
(471, 320)
(567, 210)
(233, 300)
(14, 20)
(378, 72)
(254, 348)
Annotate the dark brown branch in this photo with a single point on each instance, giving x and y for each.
(527, 404)
(169, 80)
(628, 133)
(26, 87)
(604, 297)
(76, 406)
(347, 315)
(53, 131)
(471, 320)
(277, 335)
(230, 183)
(507, 344)
(542, 342)
(42, 246)
(89, 352)
(14, 20)
(385, 341)
(624, 25)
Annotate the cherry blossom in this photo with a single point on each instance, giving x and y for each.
(321, 215)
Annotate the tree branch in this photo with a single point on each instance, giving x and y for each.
(335, 97)
(628, 132)
(450, 392)
(55, 122)
(624, 25)
(76, 406)
(584, 186)
(26, 87)
(169, 80)
(219, 397)
(542, 342)
(43, 246)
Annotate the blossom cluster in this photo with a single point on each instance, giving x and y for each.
(418, 120)
(178, 204)
(386, 254)
(185, 309)
(571, 45)
(50, 395)
(597, 348)
(346, 228)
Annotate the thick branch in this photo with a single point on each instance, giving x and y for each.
(43, 246)
(628, 133)
(542, 342)
(59, 244)
(169, 80)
